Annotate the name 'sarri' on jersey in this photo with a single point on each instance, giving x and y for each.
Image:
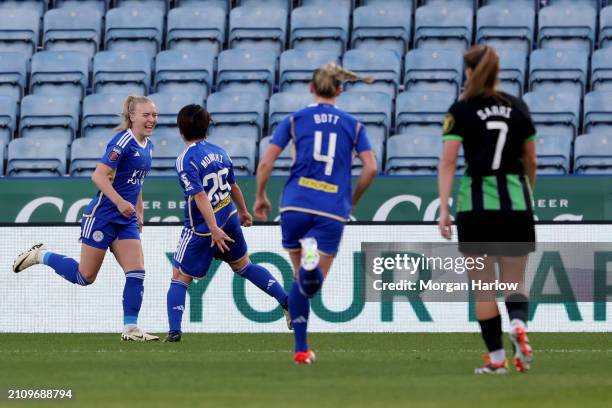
(493, 132)
(131, 161)
(325, 139)
(205, 167)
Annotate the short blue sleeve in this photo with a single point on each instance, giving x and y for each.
(113, 155)
(282, 133)
(189, 177)
(362, 144)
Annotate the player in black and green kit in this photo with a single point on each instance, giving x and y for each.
(494, 213)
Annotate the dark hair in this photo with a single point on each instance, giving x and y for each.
(193, 121)
(484, 62)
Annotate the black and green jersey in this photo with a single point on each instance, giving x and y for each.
(493, 131)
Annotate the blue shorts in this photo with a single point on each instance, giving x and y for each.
(101, 233)
(194, 254)
(296, 225)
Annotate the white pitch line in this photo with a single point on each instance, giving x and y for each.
(288, 351)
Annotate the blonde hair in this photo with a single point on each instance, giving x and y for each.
(129, 106)
(484, 62)
(328, 78)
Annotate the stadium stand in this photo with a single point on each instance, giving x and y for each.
(237, 113)
(433, 70)
(100, 114)
(409, 154)
(443, 26)
(242, 152)
(385, 66)
(40, 6)
(567, 26)
(100, 5)
(188, 29)
(8, 122)
(85, 154)
(512, 70)
(179, 71)
(598, 112)
(554, 113)
(296, 67)
(320, 27)
(421, 111)
(168, 106)
(553, 151)
(51, 117)
(605, 27)
(13, 74)
(122, 72)
(36, 157)
(134, 28)
(284, 103)
(19, 30)
(283, 164)
(168, 146)
(373, 109)
(559, 70)
(247, 71)
(506, 25)
(382, 26)
(73, 30)
(601, 70)
(60, 73)
(221, 4)
(593, 154)
(258, 27)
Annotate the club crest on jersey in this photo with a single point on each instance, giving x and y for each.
(449, 122)
(115, 153)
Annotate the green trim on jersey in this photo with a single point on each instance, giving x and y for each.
(490, 193)
(515, 189)
(532, 137)
(452, 137)
(464, 198)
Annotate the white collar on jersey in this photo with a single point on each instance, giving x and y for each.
(136, 139)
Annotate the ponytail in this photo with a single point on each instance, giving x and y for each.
(328, 78)
(484, 62)
(129, 105)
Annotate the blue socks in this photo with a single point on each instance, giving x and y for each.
(132, 296)
(310, 281)
(65, 267)
(299, 309)
(176, 303)
(263, 279)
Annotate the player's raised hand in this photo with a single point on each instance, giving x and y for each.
(126, 208)
(444, 224)
(246, 219)
(220, 239)
(262, 208)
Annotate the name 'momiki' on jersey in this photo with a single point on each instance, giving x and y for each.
(325, 140)
(205, 167)
(131, 161)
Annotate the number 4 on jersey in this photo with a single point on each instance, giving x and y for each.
(328, 158)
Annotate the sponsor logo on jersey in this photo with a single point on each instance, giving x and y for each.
(98, 236)
(449, 122)
(115, 153)
(186, 183)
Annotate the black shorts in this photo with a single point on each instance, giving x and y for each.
(497, 233)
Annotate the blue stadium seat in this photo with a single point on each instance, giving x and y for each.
(160, 5)
(598, 112)
(237, 113)
(382, 26)
(284, 103)
(121, 72)
(179, 71)
(168, 107)
(596, 4)
(410, 4)
(593, 154)
(85, 154)
(554, 113)
(73, 30)
(421, 112)
(40, 6)
(50, 117)
(241, 149)
(559, 70)
(168, 146)
(553, 151)
(601, 70)
(134, 29)
(36, 157)
(506, 26)
(463, 3)
(512, 70)
(409, 154)
(13, 74)
(246, 71)
(522, 3)
(320, 27)
(222, 4)
(282, 4)
(347, 5)
(443, 27)
(196, 28)
(296, 67)
(19, 30)
(567, 26)
(60, 73)
(282, 165)
(101, 114)
(99, 5)
(605, 27)
(261, 27)
(383, 64)
(433, 70)
(378, 147)
(8, 122)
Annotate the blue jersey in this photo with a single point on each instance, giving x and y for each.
(205, 167)
(131, 162)
(325, 139)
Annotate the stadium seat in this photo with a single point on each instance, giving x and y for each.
(421, 112)
(296, 67)
(221, 4)
(554, 113)
(179, 71)
(246, 71)
(598, 112)
(60, 73)
(463, 3)
(282, 4)
(168, 146)
(284, 103)
(383, 64)
(433, 70)
(529, 3)
(196, 28)
(258, 27)
(36, 157)
(567, 26)
(122, 72)
(382, 26)
(320, 27)
(168, 107)
(13, 74)
(50, 117)
(596, 4)
(8, 122)
(560, 70)
(593, 154)
(373, 109)
(512, 70)
(237, 113)
(605, 27)
(86, 153)
(242, 150)
(409, 154)
(100, 5)
(73, 30)
(506, 26)
(601, 70)
(443, 27)
(134, 29)
(19, 30)
(40, 6)
(282, 165)
(160, 5)
(101, 114)
(553, 151)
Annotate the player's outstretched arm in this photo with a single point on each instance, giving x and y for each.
(262, 206)
(246, 220)
(368, 172)
(102, 179)
(446, 176)
(218, 236)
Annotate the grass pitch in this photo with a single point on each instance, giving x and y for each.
(256, 370)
